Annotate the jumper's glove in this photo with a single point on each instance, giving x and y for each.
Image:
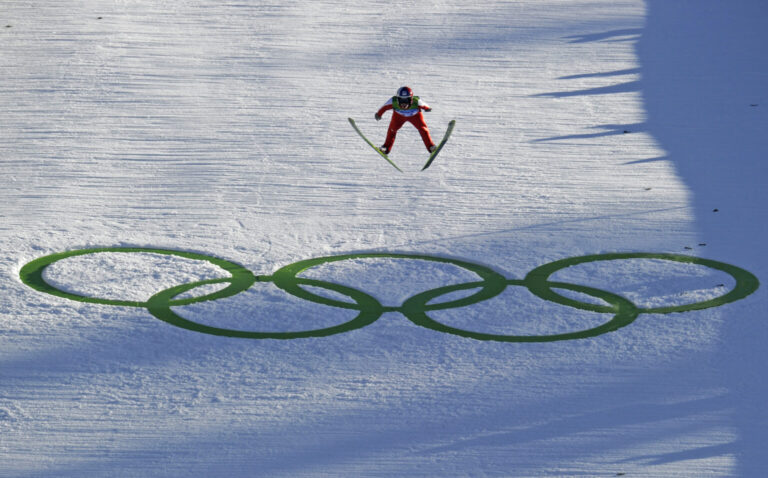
(377, 116)
(427, 110)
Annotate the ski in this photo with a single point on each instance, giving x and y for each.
(383, 155)
(433, 155)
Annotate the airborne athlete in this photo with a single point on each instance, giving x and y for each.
(405, 107)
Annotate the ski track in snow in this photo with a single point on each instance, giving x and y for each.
(220, 128)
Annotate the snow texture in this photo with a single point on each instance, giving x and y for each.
(582, 127)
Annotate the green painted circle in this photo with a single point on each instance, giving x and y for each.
(285, 278)
(624, 314)
(32, 275)
(160, 304)
(538, 281)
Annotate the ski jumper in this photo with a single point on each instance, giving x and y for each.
(411, 114)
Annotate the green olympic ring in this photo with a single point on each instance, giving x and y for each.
(415, 308)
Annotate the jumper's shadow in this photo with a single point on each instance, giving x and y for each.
(608, 130)
(626, 87)
(619, 35)
(607, 74)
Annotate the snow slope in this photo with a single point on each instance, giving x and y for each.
(220, 128)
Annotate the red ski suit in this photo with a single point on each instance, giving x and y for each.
(412, 114)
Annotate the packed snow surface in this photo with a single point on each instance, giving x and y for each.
(220, 128)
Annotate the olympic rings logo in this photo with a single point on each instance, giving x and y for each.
(416, 308)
